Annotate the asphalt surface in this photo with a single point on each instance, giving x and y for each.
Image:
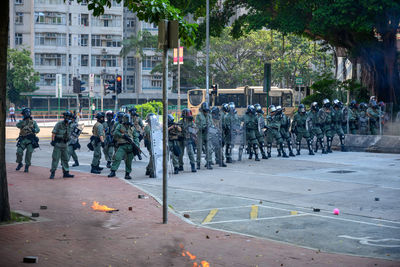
(279, 199)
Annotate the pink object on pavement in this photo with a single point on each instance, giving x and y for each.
(336, 211)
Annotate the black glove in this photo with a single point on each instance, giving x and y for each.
(125, 136)
(103, 144)
(53, 143)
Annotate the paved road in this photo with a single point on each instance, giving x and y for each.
(276, 198)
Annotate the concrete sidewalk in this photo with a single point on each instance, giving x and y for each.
(70, 233)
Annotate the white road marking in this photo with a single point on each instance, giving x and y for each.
(371, 242)
(259, 219)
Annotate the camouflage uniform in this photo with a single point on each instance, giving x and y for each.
(317, 120)
(373, 115)
(230, 120)
(284, 130)
(273, 132)
(98, 131)
(300, 129)
(108, 149)
(73, 147)
(27, 136)
(188, 141)
(203, 122)
(251, 125)
(337, 118)
(326, 115)
(353, 120)
(174, 135)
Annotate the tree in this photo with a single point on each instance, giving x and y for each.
(5, 214)
(366, 29)
(137, 43)
(21, 76)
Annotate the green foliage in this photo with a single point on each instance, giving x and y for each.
(357, 91)
(16, 217)
(324, 87)
(149, 107)
(21, 76)
(152, 11)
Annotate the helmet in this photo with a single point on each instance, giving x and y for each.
(170, 119)
(26, 113)
(232, 107)
(251, 109)
(186, 113)
(314, 106)
(67, 116)
(258, 108)
(336, 103)
(205, 107)
(326, 103)
(100, 115)
(302, 108)
(381, 104)
(353, 104)
(120, 115)
(373, 104)
(272, 108)
(215, 112)
(133, 110)
(125, 119)
(363, 106)
(149, 116)
(109, 115)
(225, 107)
(372, 98)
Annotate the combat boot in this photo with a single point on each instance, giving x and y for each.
(198, 165)
(316, 147)
(95, 170)
(256, 157)
(193, 167)
(108, 164)
(26, 168)
(342, 147)
(328, 145)
(250, 153)
(76, 164)
(284, 155)
(99, 168)
(152, 175)
(52, 174)
(20, 165)
(176, 170)
(208, 166)
(127, 176)
(67, 175)
(310, 151)
(112, 174)
(291, 154)
(298, 148)
(279, 153)
(180, 168)
(263, 156)
(222, 164)
(229, 160)
(322, 146)
(269, 146)
(147, 172)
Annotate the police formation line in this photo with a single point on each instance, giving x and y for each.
(213, 132)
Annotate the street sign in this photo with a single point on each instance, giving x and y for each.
(180, 55)
(59, 85)
(299, 80)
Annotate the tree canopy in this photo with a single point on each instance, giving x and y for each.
(21, 76)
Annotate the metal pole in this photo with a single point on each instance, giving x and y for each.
(116, 101)
(299, 94)
(59, 112)
(102, 94)
(380, 120)
(207, 49)
(165, 128)
(179, 83)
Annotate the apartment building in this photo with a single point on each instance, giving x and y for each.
(65, 38)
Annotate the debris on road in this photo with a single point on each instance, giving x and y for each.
(31, 259)
(377, 199)
(43, 207)
(35, 214)
(142, 196)
(336, 211)
(316, 210)
(186, 215)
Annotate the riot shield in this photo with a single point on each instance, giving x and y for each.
(215, 140)
(238, 135)
(156, 137)
(76, 132)
(261, 125)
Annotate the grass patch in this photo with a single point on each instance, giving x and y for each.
(15, 218)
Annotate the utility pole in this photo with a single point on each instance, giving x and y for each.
(179, 81)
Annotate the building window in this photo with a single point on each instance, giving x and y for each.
(149, 26)
(107, 20)
(97, 80)
(50, 39)
(83, 19)
(49, 79)
(130, 63)
(104, 61)
(18, 39)
(42, 59)
(85, 79)
(50, 18)
(69, 39)
(84, 60)
(130, 23)
(115, 3)
(156, 81)
(106, 40)
(130, 80)
(149, 62)
(19, 18)
(69, 60)
(84, 3)
(83, 40)
(50, 2)
(69, 19)
(19, 2)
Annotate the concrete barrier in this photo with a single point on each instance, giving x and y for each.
(369, 143)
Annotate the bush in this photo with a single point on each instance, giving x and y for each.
(323, 88)
(149, 107)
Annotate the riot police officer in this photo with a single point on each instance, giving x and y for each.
(174, 135)
(216, 138)
(300, 129)
(353, 117)
(108, 149)
(337, 116)
(363, 119)
(284, 129)
(27, 139)
(75, 145)
(273, 132)
(124, 137)
(260, 132)
(326, 114)
(148, 144)
(251, 124)
(97, 142)
(232, 128)
(373, 115)
(60, 137)
(316, 121)
(189, 134)
(203, 122)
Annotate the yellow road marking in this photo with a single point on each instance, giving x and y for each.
(254, 212)
(210, 216)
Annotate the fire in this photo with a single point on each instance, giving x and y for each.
(193, 257)
(98, 207)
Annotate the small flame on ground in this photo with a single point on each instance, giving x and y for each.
(84, 203)
(97, 206)
(193, 257)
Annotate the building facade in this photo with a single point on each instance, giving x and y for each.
(65, 38)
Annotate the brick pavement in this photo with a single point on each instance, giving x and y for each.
(78, 236)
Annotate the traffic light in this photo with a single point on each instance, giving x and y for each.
(77, 85)
(111, 85)
(118, 84)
